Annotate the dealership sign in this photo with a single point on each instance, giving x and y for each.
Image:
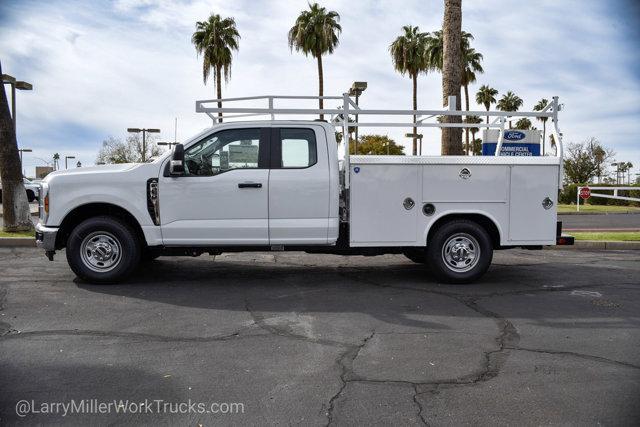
(514, 143)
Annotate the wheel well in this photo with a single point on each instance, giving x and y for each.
(81, 213)
(479, 219)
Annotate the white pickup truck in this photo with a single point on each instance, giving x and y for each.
(279, 185)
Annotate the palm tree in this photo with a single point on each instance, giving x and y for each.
(409, 56)
(435, 47)
(486, 96)
(315, 33)
(472, 120)
(56, 160)
(471, 63)
(215, 39)
(452, 71)
(523, 124)
(541, 105)
(509, 102)
(15, 206)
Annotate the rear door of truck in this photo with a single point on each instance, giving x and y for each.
(299, 185)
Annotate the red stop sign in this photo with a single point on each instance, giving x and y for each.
(585, 193)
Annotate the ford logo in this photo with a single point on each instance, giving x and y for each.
(514, 135)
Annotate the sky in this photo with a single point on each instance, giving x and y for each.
(100, 67)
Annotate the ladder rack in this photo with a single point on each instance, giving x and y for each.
(423, 118)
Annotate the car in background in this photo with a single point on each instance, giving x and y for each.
(32, 188)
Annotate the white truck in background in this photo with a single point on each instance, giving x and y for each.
(276, 185)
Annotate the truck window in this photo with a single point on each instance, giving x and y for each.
(223, 151)
(298, 148)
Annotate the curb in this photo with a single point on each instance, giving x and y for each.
(600, 245)
(17, 242)
(634, 212)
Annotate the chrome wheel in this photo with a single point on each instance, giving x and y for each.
(100, 251)
(461, 252)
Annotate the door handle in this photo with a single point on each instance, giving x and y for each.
(250, 185)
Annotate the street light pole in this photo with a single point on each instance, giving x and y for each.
(144, 139)
(20, 85)
(356, 90)
(417, 136)
(23, 150)
(67, 158)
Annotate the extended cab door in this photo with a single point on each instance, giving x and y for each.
(298, 186)
(223, 197)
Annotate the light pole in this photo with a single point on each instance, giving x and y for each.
(417, 136)
(144, 139)
(168, 143)
(67, 158)
(617, 165)
(24, 150)
(20, 85)
(356, 90)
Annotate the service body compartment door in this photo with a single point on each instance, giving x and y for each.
(529, 220)
(379, 215)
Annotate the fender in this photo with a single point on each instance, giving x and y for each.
(485, 214)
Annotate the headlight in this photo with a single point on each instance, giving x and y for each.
(43, 202)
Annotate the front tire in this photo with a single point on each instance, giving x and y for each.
(103, 250)
(459, 251)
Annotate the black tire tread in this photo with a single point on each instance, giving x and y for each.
(128, 239)
(439, 237)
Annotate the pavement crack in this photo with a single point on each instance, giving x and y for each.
(115, 334)
(345, 362)
(419, 405)
(579, 355)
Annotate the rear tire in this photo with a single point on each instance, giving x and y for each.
(459, 251)
(103, 250)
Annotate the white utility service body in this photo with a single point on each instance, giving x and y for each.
(279, 185)
(508, 190)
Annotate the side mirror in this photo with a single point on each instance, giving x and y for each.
(176, 164)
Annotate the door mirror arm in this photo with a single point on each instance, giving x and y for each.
(176, 164)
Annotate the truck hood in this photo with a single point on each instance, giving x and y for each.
(95, 169)
(77, 173)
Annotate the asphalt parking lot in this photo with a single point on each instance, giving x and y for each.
(548, 337)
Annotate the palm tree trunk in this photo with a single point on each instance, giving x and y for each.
(487, 107)
(451, 142)
(321, 87)
(415, 107)
(15, 206)
(466, 131)
(219, 91)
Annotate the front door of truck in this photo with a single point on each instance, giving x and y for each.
(222, 199)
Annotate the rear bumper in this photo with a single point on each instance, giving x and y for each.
(563, 240)
(46, 237)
